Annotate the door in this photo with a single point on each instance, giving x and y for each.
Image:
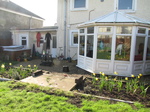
(54, 46)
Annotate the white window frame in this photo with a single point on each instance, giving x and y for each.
(134, 5)
(77, 9)
(72, 44)
(27, 42)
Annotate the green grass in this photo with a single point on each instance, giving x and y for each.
(30, 98)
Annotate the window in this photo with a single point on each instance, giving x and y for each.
(79, 4)
(104, 47)
(24, 41)
(124, 30)
(90, 30)
(148, 50)
(89, 47)
(141, 30)
(104, 30)
(126, 4)
(54, 44)
(74, 38)
(82, 45)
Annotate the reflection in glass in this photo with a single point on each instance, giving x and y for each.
(139, 49)
(104, 43)
(82, 45)
(148, 50)
(90, 30)
(123, 44)
(124, 30)
(89, 48)
(142, 30)
(81, 30)
(104, 29)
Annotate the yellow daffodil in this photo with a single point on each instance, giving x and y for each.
(126, 78)
(94, 74)
(96, 79)
(21, 66)
(10, 64)
(132, 75)
(29, 65)
(115, 79)
(116, 73)
(106, 78)
(100, 72)
(34, 65)
(3, 66)
(140, 74)
(103, 74)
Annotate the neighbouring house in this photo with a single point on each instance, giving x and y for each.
(12, 16)
(110, 36)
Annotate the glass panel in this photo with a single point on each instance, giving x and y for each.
(149, 32)
(82, 45)
(124, 30)
(90, 30)
(123, 44)
(79, 3)
(125, 4)
(24, 42)
(139, 49)
(54, 42)
(23, 37)
(104, 29)
(81, 30)
(89, 48)
(104, 43)
(148, 50)
(142, 30)
(75, 38)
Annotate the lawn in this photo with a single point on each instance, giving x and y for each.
(23, 97)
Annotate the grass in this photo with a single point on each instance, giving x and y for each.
(23, 97)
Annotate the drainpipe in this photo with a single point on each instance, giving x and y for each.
(90, 13)
(65, 25)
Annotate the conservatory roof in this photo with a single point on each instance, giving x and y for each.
(116, 17)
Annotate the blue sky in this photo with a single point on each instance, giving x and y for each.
(46, 9)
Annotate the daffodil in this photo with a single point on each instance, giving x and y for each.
(3, 66)
(21, 66)
(106, 78)
(100, 72)
(132, 75)
(10, 64)
(34, 65)
(96, 79)
(29, 65)
(126, 78)
(139, 77)
(103, 74)
(94, 74)
(115, 79)
(116, 73)
(140, 74)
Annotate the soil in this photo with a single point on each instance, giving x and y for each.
(87, 87)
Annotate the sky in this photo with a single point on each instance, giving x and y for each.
(46, 9)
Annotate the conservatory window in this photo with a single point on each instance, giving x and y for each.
(104, 43)
(141, 30)
(126, 4)
(104, 30)
(148, 50)
(90, 30)
(124, 30)
(82, 45)
(89, 47)
(139, 49)
(81, 30)
(123, 44)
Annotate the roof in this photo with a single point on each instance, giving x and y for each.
(8, 5)
(116, 17)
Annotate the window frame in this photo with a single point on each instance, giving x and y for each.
(72, 44)
(77, 9)
(134, 5)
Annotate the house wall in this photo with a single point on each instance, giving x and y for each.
(95, 9)
(10, 20)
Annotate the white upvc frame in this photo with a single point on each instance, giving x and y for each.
(78, 9)
(27, 41)
(134, 7)
(72, 44)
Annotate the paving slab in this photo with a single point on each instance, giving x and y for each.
(63, 82)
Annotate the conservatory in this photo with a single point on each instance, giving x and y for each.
(115, 43)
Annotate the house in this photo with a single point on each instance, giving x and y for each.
(12, 16)
(110, 36)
